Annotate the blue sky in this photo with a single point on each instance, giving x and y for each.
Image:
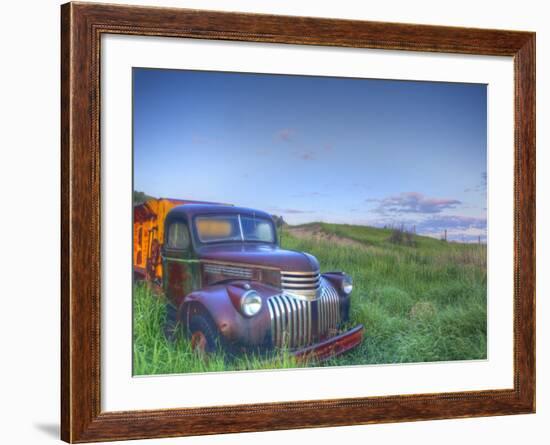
(355, 151)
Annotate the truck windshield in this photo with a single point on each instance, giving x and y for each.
(224, 228)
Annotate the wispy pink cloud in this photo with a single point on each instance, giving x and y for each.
(414, 202)
(286, 134)
(307, 155)
(291, 211)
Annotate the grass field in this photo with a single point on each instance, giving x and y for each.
(418, 303)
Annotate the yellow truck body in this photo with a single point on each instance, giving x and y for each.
(148, 235)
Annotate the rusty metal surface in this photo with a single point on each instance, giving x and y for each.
(300, 307)
(333, 346)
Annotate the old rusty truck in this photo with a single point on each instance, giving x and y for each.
(228, 284)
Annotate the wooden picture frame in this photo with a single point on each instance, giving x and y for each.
(82, 25)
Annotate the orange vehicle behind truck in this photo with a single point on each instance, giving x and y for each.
(148, 235)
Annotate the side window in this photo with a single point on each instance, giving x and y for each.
(178, 236)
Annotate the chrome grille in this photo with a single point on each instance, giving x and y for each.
(231, 271)
(328, 310)
(293, 319)
(290, 321)
(304, 284)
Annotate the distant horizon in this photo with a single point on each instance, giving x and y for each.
(366, 152)
(388, 226)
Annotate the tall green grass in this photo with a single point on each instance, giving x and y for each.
(418, 304)
(153, 354)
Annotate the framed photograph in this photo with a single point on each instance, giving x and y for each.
(274, 222)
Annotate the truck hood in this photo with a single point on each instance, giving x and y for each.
(260, 255)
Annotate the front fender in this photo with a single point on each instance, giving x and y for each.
(218, 301)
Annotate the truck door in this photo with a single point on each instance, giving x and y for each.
(178, 263)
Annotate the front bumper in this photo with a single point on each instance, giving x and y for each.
(331, 347)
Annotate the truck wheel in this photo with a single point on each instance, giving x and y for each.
(170, 323)
(204, 334)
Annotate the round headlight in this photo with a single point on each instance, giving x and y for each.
(347, 284)
(251, 303)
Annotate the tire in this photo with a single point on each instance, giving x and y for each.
(204, 334)
(170, 327)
